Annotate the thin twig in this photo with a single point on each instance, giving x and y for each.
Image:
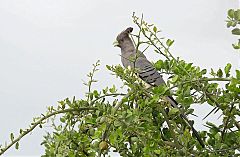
(227, 149)
(91, 74)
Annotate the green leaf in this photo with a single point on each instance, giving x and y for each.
(238, 74)
(229, 24)
(17, 145)
(159, 90)
(219, 73)
(212, 72)
(117, 123)
(236, 31)
(71, 154)
(204, 71)
(211, 124)
(174, 79)
(95, 93)
(237, 15)
(155, 29)
(62, 119)
(113, 137)
(105, 90)
(113, 89)
(108, 67)
(159, 65)
(231, 13)
(227, 69)
(169, 42)
(157, 151)
(236, 46)
(102, 120)
(188, 100)
(11, 136)
(134, 139)
(173, 111)
(189, 111)
(188, 66)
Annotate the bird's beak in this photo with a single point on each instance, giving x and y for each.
(116, 44)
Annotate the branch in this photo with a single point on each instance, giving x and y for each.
(106, 95)
(227, 149)
(228, 118)
(2, 150)
(90, 75)
(201, 80)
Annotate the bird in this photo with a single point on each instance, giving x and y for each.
(145, 70)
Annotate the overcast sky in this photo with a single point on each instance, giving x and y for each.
(48, 46)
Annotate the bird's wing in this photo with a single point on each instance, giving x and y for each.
(148, 73)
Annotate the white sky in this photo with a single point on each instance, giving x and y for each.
(47, 47)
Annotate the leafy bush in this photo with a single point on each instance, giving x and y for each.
(140, 122)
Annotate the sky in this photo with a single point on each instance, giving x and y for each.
(47, 47)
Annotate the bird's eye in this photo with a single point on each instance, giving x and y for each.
(129, 30)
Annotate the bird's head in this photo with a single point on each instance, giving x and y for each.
(123, 37)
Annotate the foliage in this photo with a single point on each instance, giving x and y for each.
(234, 21)
(141, 122)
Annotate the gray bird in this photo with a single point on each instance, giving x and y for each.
(145, 70)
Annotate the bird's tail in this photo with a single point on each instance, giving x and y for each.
(184, 117)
